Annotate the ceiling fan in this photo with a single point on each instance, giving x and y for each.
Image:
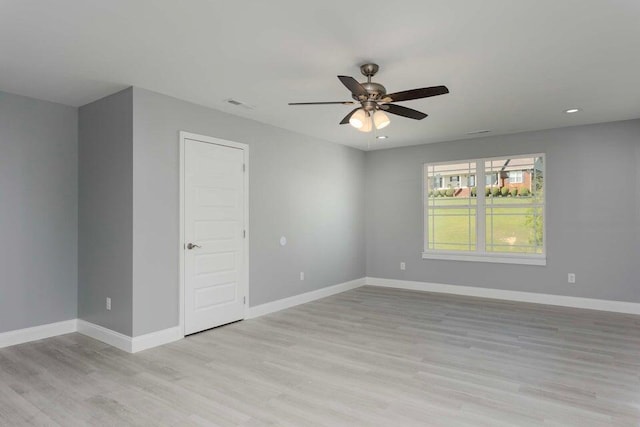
(374, 101)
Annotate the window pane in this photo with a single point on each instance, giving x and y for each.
(451, 229)
(450, 184)
(515, 229)
(514, 180)
(450, 203)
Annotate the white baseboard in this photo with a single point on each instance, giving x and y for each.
(281, 304)
(35, 333)
(155, 339)
(100, 333)
(125, 342)
(531, 297)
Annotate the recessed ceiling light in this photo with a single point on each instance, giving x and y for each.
(572, 110)
(382, 137)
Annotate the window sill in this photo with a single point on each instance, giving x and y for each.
(501, 258)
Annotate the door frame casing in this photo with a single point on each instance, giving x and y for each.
(184, 136)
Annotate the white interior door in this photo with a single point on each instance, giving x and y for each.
(214, 231)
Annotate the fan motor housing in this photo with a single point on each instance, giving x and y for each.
(376, 91)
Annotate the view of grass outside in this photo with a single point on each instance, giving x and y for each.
(451, 224)
(514, 229)
(509, 227)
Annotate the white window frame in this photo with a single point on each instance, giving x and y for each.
(480, 255)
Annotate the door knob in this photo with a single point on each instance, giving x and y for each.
(192, 246)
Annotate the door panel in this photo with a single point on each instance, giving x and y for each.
(214, 221)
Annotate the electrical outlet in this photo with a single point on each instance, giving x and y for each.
(403, 266)
(571, 278)
(302, 275)
(108, 303)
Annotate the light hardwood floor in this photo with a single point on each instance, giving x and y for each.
(368, 357)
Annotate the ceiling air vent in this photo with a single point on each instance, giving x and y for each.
(239, 103)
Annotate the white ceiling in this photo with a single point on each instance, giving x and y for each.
(510, 65)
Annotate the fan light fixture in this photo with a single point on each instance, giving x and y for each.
(361, 120)
(381, 120)
(358, 119)
(367, 126)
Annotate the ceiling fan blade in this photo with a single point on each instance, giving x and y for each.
(348, 116)
(403, 111)
(352, 84)
(408, 95)
(323, 103)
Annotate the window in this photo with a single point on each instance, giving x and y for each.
(471, 181)
(502, 223)
(515, 177)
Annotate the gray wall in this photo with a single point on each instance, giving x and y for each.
(593, 212)
(106, 211)
(637, 197)
(309, 190)
(122, 220)
(38, 212)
